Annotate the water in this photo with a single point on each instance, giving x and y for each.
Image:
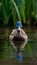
(8, 53)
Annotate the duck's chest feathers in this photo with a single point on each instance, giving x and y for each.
(18, 39)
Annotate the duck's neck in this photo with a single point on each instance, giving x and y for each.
(19, 28)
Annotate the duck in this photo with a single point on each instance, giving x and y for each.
(18, 39)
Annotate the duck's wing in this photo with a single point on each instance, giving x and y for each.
(25, 37)
(11, 37)
(13, 33)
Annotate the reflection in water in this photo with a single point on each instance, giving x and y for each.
(8, 52)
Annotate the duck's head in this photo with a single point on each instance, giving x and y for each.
(18, 26)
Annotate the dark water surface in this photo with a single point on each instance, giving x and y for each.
(8, 53)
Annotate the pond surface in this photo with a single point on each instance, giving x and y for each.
(8, 53)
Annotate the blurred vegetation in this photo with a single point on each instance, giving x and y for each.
(14, 10)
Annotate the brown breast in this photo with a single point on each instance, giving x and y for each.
(18, 41)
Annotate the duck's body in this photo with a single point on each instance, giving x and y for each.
(18, 40)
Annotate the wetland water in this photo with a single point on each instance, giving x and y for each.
(8, 53)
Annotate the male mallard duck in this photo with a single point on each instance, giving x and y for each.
(18, 39)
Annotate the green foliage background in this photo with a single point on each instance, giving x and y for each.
(18, 10)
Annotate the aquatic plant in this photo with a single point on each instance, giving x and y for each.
(19, 9)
